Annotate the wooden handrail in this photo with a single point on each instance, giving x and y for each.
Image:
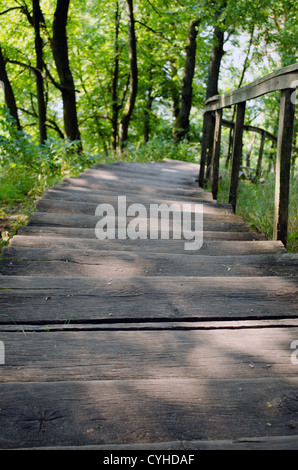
(280, 80)
(284, 80)
(248, 127)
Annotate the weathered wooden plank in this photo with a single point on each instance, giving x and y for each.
(170, 325)
(157, 173)
(216, 153)
(260, 156)
(236, 153)
(250, 128)
(211, 212)
(113, 181)
(121, 355)
(278, 80)
(114, 177)
(195, 195)
(97, 197)
(144, 411)
(87, 233)
(166, 164)
(123, 187)
(66, 262)
(58, 300)
(245, 443)
(283, 165)
(88, 221)
(211, 248)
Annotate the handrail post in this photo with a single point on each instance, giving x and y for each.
(206, 145)
(260, 157)
(237, 153)
(216, 153)
(283, 164)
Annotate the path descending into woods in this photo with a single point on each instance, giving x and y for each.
(140, 344)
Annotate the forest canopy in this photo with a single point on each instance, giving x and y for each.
(117, 72)
(88, 81)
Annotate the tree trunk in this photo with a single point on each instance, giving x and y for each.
(212, 89)
(115, 104)
(42, 113)
(8, 92)
(133, 82)
(245, 67)
(181, 126)
(60, 53)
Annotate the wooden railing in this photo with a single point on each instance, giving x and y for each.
(284, 80)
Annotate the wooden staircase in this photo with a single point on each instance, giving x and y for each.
(138, 344)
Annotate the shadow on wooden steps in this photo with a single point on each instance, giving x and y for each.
(137, 344)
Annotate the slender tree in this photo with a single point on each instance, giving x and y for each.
(181, 126)
(9, 97)
(212, 89)
(37, 18)
(115, 103)
(133, 78)
(60, 54)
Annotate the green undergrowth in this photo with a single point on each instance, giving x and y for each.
(28, 169)
(255, 203)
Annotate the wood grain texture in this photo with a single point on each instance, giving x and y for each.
(92, 263)
(142, 411)
(45, 299)
(251, 353)
(279, 80)
(138, 344)
(212, 248)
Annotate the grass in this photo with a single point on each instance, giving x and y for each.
(27, 170)
(23, 183)
(255, 203)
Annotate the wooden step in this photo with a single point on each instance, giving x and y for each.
(68, 413)
(26, 299)
(87, 233)
(212, 248)
(108, 197)
(211, 221)
(154, 174)
(59, 206)
(251, 353)
(132, 344)
(144, 449)
(136, 195)
(73, 262)
(123, 187)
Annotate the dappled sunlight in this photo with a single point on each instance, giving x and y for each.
(131, 341)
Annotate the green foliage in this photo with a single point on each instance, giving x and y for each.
(159, 148)
(255, 203)
(27, 168)
(260, 36)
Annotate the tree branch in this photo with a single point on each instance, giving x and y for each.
(10, 9)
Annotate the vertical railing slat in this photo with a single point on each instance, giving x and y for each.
(260, 157)
(236, 153)
(206, 146)
(216, 153)
(283, 164)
